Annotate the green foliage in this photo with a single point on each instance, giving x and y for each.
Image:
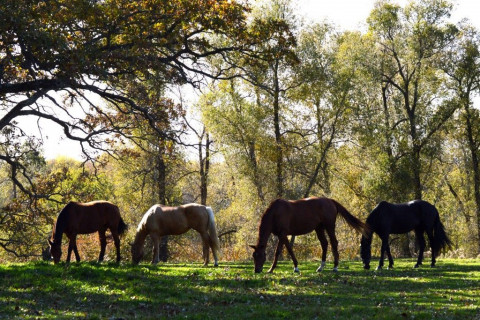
(300, 111)
(97, 291)
(26, 223)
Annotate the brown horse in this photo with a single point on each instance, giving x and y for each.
(83, 218)
(161, 220)
(299, 217)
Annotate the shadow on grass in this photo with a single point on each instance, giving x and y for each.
(91, 290)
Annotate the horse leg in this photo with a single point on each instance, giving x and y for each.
(75, 251)
(324, 243)
(334, 244)
(290, 251)
(116, 240)
(70, 248)
(206, 247)
(432, 246)
(278, 251)
(389, 256)
(214, 252)
(382, 251)
(156, 247)
(103, 244)
(72, 245)
(421, 244)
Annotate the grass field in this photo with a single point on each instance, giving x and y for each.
(233, 291)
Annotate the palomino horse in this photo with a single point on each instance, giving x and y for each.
(161, 220)
(299, 217)
(417, 215)
(82, 218)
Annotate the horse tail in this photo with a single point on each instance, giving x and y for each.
(122, 226)
(440, 239)
(354, 222)
(212, 231)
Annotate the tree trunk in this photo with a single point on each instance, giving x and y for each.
(278, 136)
(256, 175)
(472, 145)
(204, 169)
(162, 197)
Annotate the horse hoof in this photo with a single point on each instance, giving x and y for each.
(379, 268)
(335, 269)
(215, 265)
(390, 267)
(416, 266)
(433, 266)
(322, 265)
(296, 270)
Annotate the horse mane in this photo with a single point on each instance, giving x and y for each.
(265, 227)
(61, 223)
(142, 229)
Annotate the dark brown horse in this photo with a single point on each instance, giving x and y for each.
(299, 217)
(83, 218)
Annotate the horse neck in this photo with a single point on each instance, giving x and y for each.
(57, 233)
(265, 229)
(60, 224)
(140, 237)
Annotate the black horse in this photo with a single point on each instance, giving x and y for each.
(417, 215)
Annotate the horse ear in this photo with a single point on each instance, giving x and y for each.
(50, 242)
(252, 246)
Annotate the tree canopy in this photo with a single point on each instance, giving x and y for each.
(284, 109)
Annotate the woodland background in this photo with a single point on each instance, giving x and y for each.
(280, 108)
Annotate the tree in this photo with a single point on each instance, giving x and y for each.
(238, 125)
(409, 42)
(462, 65)
(269, 69)
(58, 54)
(325, 92)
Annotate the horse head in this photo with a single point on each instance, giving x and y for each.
(55, 250)
(46, 255)
(137, 253)
(366, 251)
(259, 257)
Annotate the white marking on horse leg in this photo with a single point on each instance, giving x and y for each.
(322, 266)
(296, 269)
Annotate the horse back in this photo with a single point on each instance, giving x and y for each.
(398, 218)
(84, 218)
(298, 217)
(165, 220)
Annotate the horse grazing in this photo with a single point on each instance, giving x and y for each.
(417, 215)
(299, 217)
(83, 218)
(161, 220)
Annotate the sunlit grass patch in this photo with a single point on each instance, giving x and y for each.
(99, 291)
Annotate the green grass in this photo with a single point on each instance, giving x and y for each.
(232, 291)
